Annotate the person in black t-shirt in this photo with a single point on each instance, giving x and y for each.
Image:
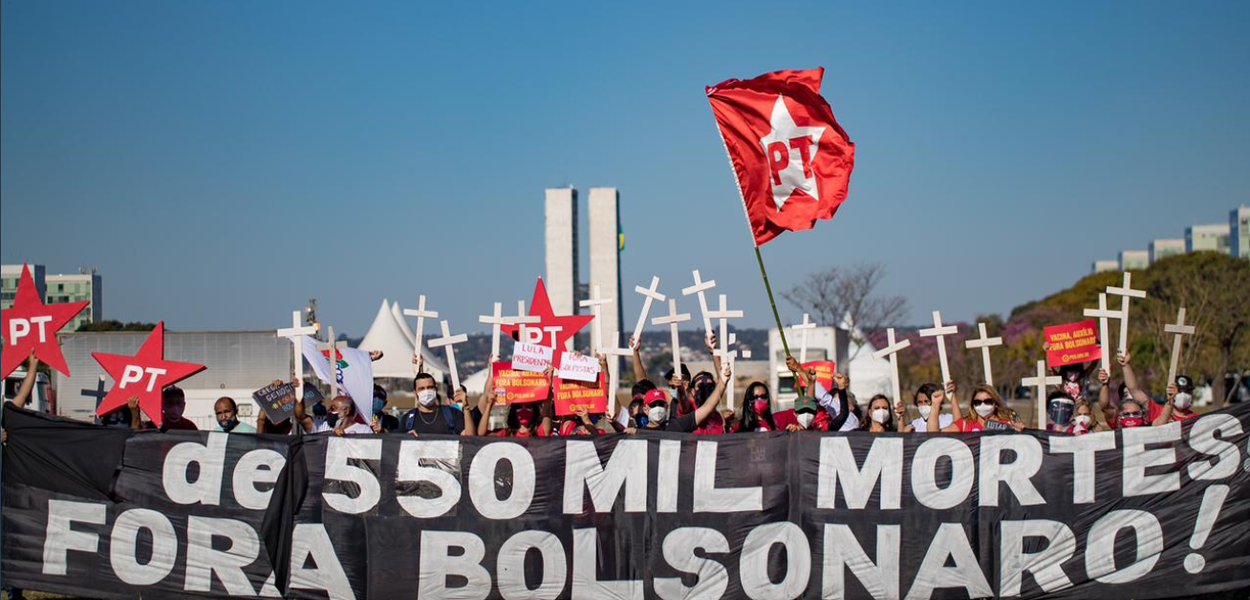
(431, 416)
(658, 416)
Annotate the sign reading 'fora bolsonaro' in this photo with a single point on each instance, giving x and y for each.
(1147, 512)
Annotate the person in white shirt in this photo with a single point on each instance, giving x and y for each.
(926, 396)
(341, 420)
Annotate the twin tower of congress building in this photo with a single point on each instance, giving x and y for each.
(605, 239)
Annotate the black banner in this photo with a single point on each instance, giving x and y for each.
(1151, 512)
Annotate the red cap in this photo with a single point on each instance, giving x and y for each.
(656, 396)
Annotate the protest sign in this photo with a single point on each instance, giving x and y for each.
(1072, 343)
(278, 401)
(1147, 512)
(312, 395)
(531, 357)
(578, 367)
(824, 372)
(519, 386)
(572, 396)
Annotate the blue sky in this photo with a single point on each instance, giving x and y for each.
(222, 162)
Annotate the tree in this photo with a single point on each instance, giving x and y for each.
(113, 325)
(835, 293)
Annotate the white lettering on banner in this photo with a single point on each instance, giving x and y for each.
(413, 467)
(310, 541)
(626, 467)
(924, 464)
(679, 552)
(1100, 560)
(753, 563)
(843, 553)
(1137, 459)
(134, 374)
(211, 459)
(1046, 565)
(667, 478)
(257, 466)
(1083, 449)
(437, 563)
(950, 544)
(883, 463)
(586, 582)
(511, 566)
(60, 537)
(125, 536)
(338, 451)
(709, 498)
(482, 480)
(1016, 474)
(20, 328)
(203, 561)
(1225, 458)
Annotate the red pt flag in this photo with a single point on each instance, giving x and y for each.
(791, 158)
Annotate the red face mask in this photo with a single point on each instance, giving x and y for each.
(760, 406)
(1132, 422)
(524, 416)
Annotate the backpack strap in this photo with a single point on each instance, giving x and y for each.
(450, 418)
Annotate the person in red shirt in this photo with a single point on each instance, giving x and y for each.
(173, 404)
(988, 412)
(524, 420)
(757, 410)
(1180, 401)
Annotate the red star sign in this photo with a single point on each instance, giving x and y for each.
(31, 324)
(144, 375)
(540, 307)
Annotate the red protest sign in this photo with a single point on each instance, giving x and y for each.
(32, 325)
(824, 372)
(518, 386)
(572, 396)
(1072, 343)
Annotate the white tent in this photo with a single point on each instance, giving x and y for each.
(869, 375)
(385, 334)
(403, 323)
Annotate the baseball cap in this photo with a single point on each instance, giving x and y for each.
(654, 396)
(1184, 384)
(805, 403)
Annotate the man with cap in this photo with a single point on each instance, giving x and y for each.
(660, 419)
(805, 416)
(1180, 402)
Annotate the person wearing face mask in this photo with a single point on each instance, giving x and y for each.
(528, 419)
(382, 422)
(837, 403)
(659, 418)
(923, 399)
(988, 413)
(1083, 422)
(687, 392)
(807, 416)
(757, 411)
(1179, 403)
(431, 417)
(341, 420)
(227, 412)
(880, 416)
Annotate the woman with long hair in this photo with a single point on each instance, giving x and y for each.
(524, 420)
(988, 412)
(757, 411)
(880, 415)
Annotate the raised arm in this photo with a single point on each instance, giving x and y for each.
(640, 372)
(1104, 395)
(300, 416)
(486, 404)
(956, 413)
(136, 421)
(843, 398)
(1130, 378)
(28, 383)
(1166, 415)
(711, 341)
(709, 405)
(470, 427)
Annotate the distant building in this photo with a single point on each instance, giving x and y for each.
(561, 249)
(1106, 265)
(9, 277)
(1166, 247)
(1207, 237)
(76, 288)
(1134, 259)
(1239, 231)
(605, 258)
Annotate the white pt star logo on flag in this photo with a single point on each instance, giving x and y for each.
(790, 150)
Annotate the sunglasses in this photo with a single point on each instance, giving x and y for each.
(760, 397)
(983, 402)
(1131, 415)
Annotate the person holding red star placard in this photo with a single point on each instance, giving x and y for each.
(143, 375)
(32, 325)
(540, 307)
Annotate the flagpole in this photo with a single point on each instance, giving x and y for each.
(771, 302)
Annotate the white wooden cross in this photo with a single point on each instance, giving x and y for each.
(421, 314)
(1125, 292)
(940, 332)
(803, 328)
(649, 294)
(891, 350)
(448, 340)
(521, 320)
(594, 303)
(723, 314)
(614, 368)
(672, 320)
(984, 343)
(332, 347)
(495, 320)
(1103, 314)
(732, 361)
(1041, 381)
(700, 287)
(293, 334)
(1179, 328)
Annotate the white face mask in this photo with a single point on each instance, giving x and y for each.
(427, 397)
(1183, 400)
(657, 414)
(805, 419)
(1082, 420)
(881, 415)
(985, 410)
(925, 409)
